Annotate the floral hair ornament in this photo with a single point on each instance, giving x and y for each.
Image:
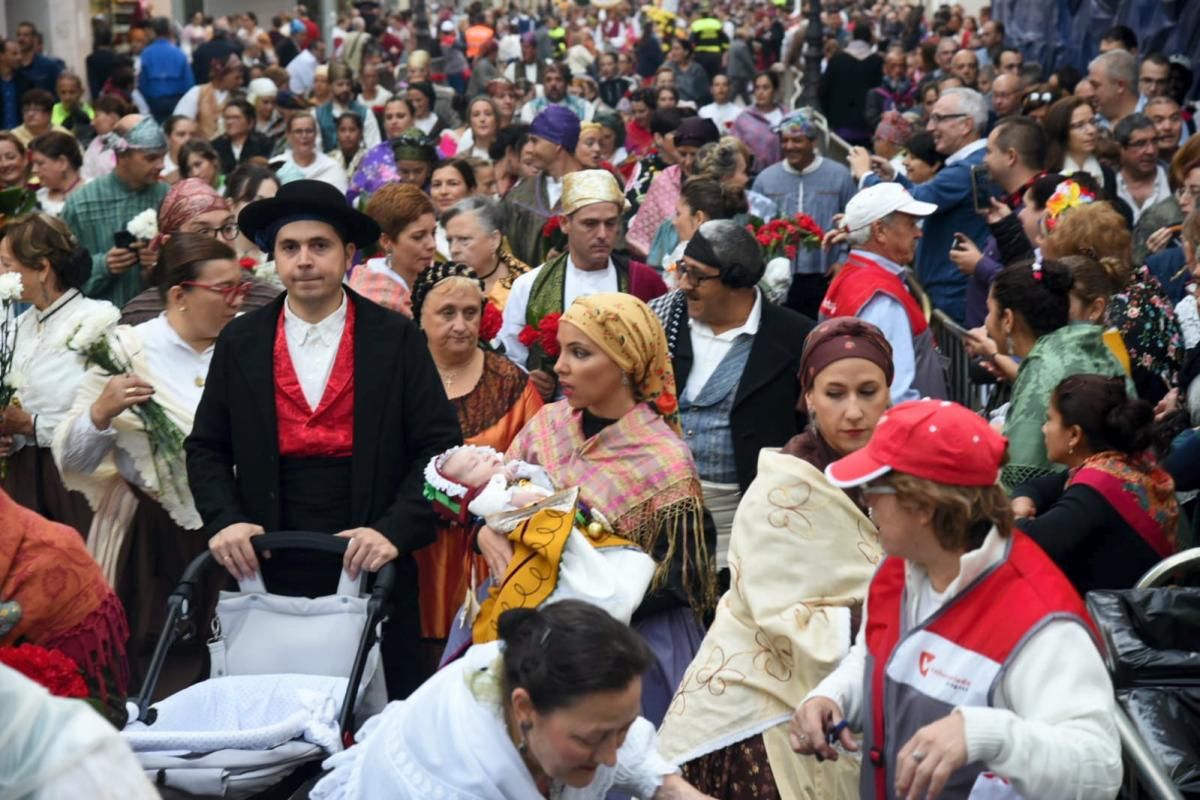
(146, 135)
(1067, 195)
(449, 497)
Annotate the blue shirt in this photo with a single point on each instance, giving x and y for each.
(165, 70)
(950, 191)
(42, 73)
(10, 104)
(821, 189)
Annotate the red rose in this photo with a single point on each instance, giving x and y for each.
(548, 328)
(490, 322)
(552, 226)
(51, 668)
(666, 404)
(528, 335)
(790, 251)
(247, 263)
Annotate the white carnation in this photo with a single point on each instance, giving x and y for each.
(145, 225)
(777, 279)
(267, 273)
(92, 328)
(15, 380)
(10, 287)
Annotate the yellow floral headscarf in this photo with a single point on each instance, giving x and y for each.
(630, 334)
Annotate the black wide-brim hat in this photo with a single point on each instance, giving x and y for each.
(301, 200)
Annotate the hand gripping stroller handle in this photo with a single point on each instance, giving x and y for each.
(179, 606)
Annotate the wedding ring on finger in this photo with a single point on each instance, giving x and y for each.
(130, 390)
(918, 756)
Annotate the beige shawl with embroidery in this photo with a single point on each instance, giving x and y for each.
(801, 556)
(106, 491)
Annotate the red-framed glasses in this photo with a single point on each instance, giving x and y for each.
(231, 293)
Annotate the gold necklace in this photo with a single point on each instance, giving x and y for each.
(448, 379)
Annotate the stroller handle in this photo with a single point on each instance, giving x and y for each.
(292, 540)
(179, 602)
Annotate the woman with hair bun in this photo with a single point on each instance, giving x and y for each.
(1028, 315)
(52, 265)
(701, 199)
(1112, 515)
(548, 710)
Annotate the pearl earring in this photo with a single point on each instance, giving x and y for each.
(624, 378)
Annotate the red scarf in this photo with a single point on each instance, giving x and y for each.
(1139, 490)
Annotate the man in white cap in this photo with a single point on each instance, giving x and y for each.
(881, 227)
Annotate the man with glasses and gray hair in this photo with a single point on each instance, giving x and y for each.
(957, 123)
(1142, 181)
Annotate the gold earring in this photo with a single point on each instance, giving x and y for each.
(182, 309)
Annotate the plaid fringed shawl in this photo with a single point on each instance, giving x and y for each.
(639, 475)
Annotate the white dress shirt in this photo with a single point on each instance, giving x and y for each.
(1162, 190)
(189, 104)
(175, 367)
(578, 283)
(709, 349)
(301, 70)
(313, 349)
(426, 122)
(51, 372)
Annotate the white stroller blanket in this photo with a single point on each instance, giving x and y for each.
(244, 712)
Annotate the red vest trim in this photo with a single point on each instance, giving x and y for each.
(859, 280)
(329, 430)
(1033, 592)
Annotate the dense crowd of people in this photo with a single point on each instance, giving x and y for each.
(632, 363)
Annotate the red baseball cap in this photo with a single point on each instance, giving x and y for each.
(932, 439)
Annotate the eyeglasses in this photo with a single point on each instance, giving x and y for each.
(1090, 122)
(304, 131)
(230, 293)
(1140, 144)
(1188, 191)
(227, 232)
(878, 488)
(694, 277)
(938, 119)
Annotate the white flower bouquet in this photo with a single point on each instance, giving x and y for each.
(145, 225)
(90, 339)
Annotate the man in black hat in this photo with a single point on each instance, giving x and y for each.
(319, 414)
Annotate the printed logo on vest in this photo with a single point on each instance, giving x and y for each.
(926, 659)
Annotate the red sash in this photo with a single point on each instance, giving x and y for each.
(329, 430)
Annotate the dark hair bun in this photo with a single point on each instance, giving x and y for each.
(1129, 422)
(77, 268)
(1057, 277)
(734, 199)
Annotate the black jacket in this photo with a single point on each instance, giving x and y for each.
(256, 145)
(401, 419)
(764, 410)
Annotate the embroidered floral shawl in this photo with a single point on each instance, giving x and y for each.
(1139, 490)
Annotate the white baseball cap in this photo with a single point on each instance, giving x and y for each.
(447, 26)
(876, 202)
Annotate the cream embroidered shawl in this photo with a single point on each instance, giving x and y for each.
(801, 556)
(106, 491)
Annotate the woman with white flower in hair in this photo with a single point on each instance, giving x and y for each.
(121, 444)
(44, 266)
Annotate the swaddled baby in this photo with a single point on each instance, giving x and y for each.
(479, 477)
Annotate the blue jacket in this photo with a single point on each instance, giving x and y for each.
(165, 71)
(950, 191)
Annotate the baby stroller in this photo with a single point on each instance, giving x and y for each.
(285, 685)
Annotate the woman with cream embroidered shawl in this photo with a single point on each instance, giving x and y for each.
(615, 435)
(144, 534)
(801, 556)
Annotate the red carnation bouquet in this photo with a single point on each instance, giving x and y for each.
(542, 341)
(52, 669)
(786, 235)
(490, 322)
(554, 238)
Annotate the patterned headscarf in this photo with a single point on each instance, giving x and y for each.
(189, 197)
(628, 332)
(840, 338)
(414, 145)
(431, 277)
(799, 121)
(146, 135)
(588, 187)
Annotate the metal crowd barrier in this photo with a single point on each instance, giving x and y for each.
(958, 364)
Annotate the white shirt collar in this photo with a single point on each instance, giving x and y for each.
(750, 326)
(571, 266)
(810, 169)
(966, 150)
(326, 332)
(173, 338)
(66, 297)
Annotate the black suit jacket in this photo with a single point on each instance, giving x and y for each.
(257, 144)
(764, 411)
(401, 419)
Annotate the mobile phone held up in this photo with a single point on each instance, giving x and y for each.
(981, 189)
(124, 240)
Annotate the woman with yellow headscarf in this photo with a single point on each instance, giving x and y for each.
(615, 436)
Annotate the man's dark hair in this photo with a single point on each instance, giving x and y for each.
(1123, 131)
(648, 97)
(665, 121)
(1122, 34)
(1157, 59)
(863, 31)
(1026, 136)
(161, 26)
(508, 139)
